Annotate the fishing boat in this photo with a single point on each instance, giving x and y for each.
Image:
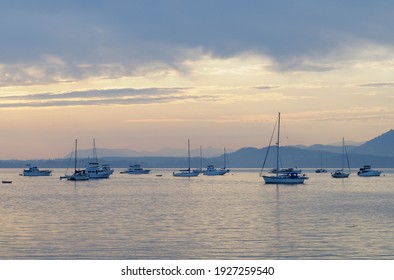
(341, 173)
(367, 171)
(79, 175)
(34, 171)
(95, 170)
(186, 172)
(282, 176)
(135, 169)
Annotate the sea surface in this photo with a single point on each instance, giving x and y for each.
(235, 216)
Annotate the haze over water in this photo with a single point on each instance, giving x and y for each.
(234, 216)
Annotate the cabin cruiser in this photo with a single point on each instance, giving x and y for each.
(95, 171)
(34, 171)
(212, 171)
(135, 169)
(367, 171)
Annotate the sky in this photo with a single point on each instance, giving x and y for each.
(144, 75)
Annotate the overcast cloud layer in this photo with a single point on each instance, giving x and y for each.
(131, 33)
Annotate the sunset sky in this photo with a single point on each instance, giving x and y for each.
(147, 74)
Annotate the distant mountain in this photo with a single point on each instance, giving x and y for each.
(348, 143)
(325, 148)
(378, 152)
(383, 145)
(164, 152)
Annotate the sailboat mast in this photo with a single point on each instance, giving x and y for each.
(94, 150)
(343, 153)
(224, 158)
(277, 146)
(200, 157)
(188, 151)
(75, 159)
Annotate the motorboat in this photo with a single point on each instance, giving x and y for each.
(367, 171)
(34, 171)
(135, 169)
(95, 171)
(212, 171)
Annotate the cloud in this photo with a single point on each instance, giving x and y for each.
(125, 96)
(377, 85)
(114, 38)
(352, 114)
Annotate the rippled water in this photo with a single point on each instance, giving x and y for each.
(234, 216)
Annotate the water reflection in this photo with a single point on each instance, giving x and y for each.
(231, 217)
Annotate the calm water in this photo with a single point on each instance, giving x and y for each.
(234, 216)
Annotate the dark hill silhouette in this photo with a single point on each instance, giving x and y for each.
(382, 145)
(378, 152)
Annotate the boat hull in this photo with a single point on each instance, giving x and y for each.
(185, 174)
(369, 174)
(39, 173)
(136, 172)
(99, 175)
(283, 180)
(214, 173)
(77, 178)
(320, 171)
(341, 175)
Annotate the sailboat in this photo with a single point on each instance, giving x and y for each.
(186, 172)
(95, 170)
(289, 177)
(340, 173)
(321, 169)
(79, 175)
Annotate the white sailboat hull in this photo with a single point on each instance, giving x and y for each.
(283, 180)
(78, 177)
(185, 174)
(137, 172)
(340, 175)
